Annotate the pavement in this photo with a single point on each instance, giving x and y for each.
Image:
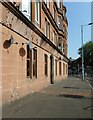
(90, 81)
(71, 98)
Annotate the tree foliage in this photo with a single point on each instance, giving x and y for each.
(88, 53)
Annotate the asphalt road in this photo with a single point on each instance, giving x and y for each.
(69, 98)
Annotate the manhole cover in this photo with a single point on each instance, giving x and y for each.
(71, 96)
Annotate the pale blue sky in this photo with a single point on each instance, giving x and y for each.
(78, 13)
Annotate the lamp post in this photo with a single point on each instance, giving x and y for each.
(82, 49)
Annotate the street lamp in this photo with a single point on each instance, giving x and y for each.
(82, 49)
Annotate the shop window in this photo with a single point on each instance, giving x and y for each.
(35, 63)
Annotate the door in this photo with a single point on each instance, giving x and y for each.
(51, 69)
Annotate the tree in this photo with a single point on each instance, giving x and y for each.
(88, 53)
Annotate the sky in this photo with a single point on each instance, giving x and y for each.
(78, 13)
(92, 21)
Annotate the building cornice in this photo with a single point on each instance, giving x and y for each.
(21, 16)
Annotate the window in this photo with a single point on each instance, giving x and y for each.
(37, 12)
(26, 8)
(47, 29)
(46, 65)
(59, 4)
(35, 63)
(56, 67)
(60, 25)
(47, 3)
(63, 47)
(60, 46)
(29, 62)
(54, 14)
(63, 29)
(63, 68)
(66, 69)
(59, 21)
(59, 68)
(55, 38)
(63, 13)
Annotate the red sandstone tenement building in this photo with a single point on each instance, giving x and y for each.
(33, 46)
